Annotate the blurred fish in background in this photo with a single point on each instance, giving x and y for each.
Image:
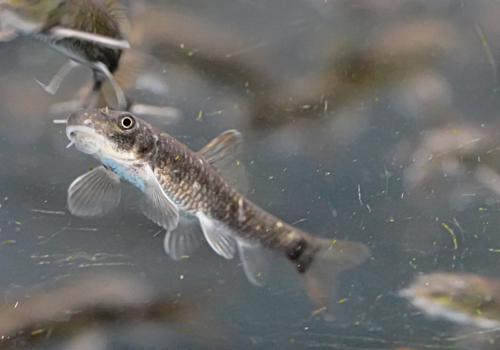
(83, 310)
(466, 299)
(88, 32)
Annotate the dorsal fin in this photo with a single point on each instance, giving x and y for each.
(223, 153)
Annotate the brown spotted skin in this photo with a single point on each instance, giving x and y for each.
(196, 186)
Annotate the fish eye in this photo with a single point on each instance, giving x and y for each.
(126, 122)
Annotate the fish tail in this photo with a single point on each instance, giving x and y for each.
(321, 261)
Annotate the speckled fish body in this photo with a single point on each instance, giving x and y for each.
(179, 182)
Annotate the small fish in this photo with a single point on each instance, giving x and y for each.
(88, 32)
(82, 304)
(181, 187)
(459, 297)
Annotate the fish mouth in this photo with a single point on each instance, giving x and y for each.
(84, 138)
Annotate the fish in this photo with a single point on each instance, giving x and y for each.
(462, 298)
(182, 188)
(77, 306)
(88, 32)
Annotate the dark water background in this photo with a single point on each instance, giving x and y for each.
(337, 102)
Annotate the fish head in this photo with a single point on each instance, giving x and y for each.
(109, 134)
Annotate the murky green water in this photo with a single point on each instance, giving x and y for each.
(373, 121)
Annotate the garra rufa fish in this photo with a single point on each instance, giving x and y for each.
(178, 183)
(459, 297)
(89, 32)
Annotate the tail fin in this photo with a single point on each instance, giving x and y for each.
(321, 261)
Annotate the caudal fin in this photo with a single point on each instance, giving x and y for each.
(321, 262)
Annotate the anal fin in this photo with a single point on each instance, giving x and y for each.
(218, 236)
(254, 258)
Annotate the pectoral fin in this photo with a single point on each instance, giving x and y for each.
(218, 236)
(184, 240)
(94, 193)
(156, 205)
(223, 153)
